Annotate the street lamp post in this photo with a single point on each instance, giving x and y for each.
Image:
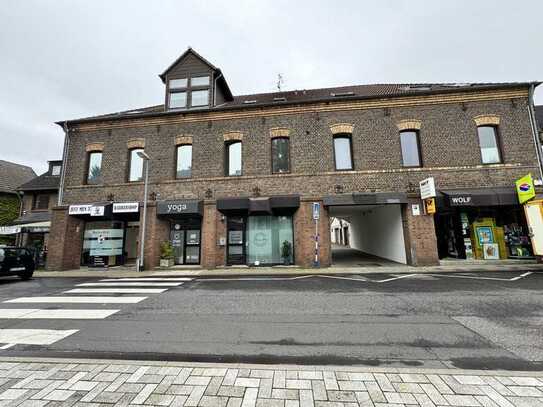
(146, 160)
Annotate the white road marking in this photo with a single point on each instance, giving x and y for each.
(482, 278)
(129, 284)
(17, 313)
(116, 291)
(79, 300)
(7, 346)
(393, 278)
(34, 336)
(149, 279)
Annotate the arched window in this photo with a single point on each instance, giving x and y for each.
(135, 171)
(94, 167)
(280, 152)
(233, 158)
(489, 144)
(184, 161)
(343, 152)
(409, 140)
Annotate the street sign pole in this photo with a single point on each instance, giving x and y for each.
(316, 216)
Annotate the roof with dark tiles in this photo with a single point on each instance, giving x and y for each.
(293, 97)
(45, 181)
(12, 175)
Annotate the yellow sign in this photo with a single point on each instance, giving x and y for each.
(525, 188)
(430, 205)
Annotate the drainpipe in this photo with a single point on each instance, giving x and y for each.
(64, 160)
(533, 124)
(215, 89)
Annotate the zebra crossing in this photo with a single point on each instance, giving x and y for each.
(119, 290)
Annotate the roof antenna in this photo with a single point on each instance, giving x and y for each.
(280, 81)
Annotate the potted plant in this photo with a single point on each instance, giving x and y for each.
(166, 254)
(286, 252)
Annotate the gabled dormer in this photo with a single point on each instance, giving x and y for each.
(192, 82)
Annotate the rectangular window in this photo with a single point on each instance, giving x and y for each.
(233, 157)
(200, 98)
(178, 83)
(488, 142)
(184, 161)
(136, 165)
(41, 202)
(343, 153)
(199, 81)
(178, 100)
(280, 155)
(409, 141)
(94, 170)
(55, 171)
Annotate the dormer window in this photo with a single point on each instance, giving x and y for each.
(199, 98)
(178, 100)
(199, 81)
(185, 92)
(55, 170)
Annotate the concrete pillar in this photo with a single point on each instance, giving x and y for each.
(420, 236)
(65, 240)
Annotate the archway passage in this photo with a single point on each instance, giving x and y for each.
(367, 235)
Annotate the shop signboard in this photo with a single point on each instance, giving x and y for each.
(179, 207)
(427, 188)
(9, 230)
(126, 207)
(79, 209)
(525, 188)
(430, 204)
(97, 210)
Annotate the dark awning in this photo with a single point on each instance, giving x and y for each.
(366, 198)
(479, 197)
(180, 208)
(272, 205)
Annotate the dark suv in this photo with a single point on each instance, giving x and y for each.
(16, 261)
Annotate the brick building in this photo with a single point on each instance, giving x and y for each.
(233, 179)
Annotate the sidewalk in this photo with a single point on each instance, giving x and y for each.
(34, 382)
(447, 266)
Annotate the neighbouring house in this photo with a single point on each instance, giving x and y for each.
(11, 176)
(254, 179)
(40, 195)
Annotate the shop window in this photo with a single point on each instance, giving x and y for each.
(409, 140)
(233, 159)
(270, 240)
(94, 169)
(103, 243)
(135, 172)
(280, 155)
(488, 142)
(184, 161)
(343, 152)
(41, 202)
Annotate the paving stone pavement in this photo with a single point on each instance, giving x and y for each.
(69, 382)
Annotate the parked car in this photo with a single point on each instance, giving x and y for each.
(16, 261)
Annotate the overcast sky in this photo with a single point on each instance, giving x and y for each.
(68, 59)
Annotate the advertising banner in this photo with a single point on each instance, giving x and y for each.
(525, 188)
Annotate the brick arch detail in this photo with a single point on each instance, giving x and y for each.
(136, 143)
(487, 120)
(94, 147)
(279, 132)
(409, 124)
(233, 136)
(339, 128)
(183, 139)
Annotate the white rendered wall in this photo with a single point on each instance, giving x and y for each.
(379, 232)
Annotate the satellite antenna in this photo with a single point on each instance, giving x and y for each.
(279, 81)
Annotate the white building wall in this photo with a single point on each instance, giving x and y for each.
(379, 231)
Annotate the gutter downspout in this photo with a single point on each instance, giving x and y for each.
(533, 124)
(64, 160)
(215, 89)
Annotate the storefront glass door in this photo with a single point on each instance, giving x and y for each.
(185, 240)
(267, 237)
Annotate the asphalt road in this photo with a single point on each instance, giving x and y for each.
(471, 320)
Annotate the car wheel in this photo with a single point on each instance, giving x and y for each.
(27, 274)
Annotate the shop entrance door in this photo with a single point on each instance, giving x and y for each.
(185, 239)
